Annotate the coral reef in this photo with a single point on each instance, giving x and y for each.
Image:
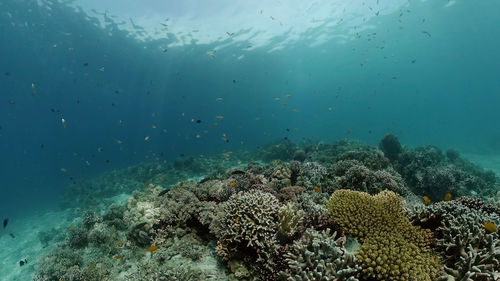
(313, 211)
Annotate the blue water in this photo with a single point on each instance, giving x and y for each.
(427, 71)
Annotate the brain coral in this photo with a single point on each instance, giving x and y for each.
(392, 249)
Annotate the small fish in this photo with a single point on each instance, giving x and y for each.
(447, 197)
(237, 219)
(232, 184)
(12, 235)
(5, 222)
(63, 121)
(277, 99)
(219, 117)
(212, 55)
(153, 126)
(330, 109)
(63, 170)
(119, 142)
(230, 34)
(271, 17)
(101, 69)
(317, 189)
(295, 110)
(427, 199)
(146, 138)
(118, 257)
(288, 96)
(374, 164)
(490, 227)
(198, 121)
(152, 248)
(426, 33)
(227, 154)
(218, 99)
(198, 136)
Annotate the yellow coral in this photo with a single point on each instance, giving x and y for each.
(393, 249)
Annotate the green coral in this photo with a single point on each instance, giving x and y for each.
(392, 249)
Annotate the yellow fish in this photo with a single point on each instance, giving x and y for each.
(233, 184)
(317, 189)
(219, 117)
(146, 138)
(237, 219)
(447, 197)
(118, 257)
(427, 200)
(152, 248)
(490, 227)
(227, 154)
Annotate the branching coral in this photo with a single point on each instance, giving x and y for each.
(318, 256)
(472, 253)
(246, 225)
(290, 219)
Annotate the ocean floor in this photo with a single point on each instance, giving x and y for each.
(40, 234)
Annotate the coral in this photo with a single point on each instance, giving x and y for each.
(391, 147)
(318, 256)
(290, 219)
(290, 193)
(312, 175)
(54, 266)
(392, 257)
(246, 226)
(471, 252)
(77, 237)
(299, 155)
(477, 204)
(392, 249)
(314, 207)
(364, 179)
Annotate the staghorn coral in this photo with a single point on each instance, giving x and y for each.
(471, 252)
(319, 256)
(392, 249)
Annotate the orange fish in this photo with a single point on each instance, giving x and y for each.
(317, 189)
(490, 227)
(447, 197)
(233, 184)
(427, 200)
(152, 248)
(118, 257)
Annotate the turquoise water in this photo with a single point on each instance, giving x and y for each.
(87, 87)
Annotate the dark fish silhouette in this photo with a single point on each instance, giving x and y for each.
(5, 222)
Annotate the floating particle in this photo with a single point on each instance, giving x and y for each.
(63, 170)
